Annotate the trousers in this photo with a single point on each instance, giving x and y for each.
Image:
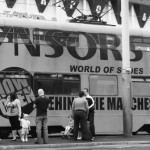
(41, 126)
(80, 119)
(91, 121)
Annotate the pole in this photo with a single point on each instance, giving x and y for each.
(126, 70)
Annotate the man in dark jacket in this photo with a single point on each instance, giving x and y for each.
(91, 105)
(41, 104)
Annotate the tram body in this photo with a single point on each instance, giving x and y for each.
(65, 58)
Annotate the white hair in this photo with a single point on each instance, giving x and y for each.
(40, 92)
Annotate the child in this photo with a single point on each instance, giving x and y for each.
(25, 123)
(70, 125)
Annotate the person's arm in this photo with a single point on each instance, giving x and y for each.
(49, 103)
(34, 105)
(73, 109)
(20, 122)
(93, 103)
(18, 105)
(8, 103)
(87, 108)
(29, 125)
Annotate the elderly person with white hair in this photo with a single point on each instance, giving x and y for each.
(42, 103)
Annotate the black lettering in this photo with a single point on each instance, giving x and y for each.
(23, 33)
(54, 43)
(102, 103)
(73, 68)
(91, 69)
(86, 69)
(141, 71)
(146, 103)
(96, 102)
(51, 103)
(106, 69)
(111, 103)
(58, 103)
(134, 71)
(64, 103)
(80, 68)
(97, 69)
(119, 104)
(140, 103)
(16, 49)
(119, 70)
(138, 54)
(134, 104)
(70, 100)
(99, 103)
(91, 48)
(104, 47)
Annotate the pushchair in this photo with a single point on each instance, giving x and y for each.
(68, 128)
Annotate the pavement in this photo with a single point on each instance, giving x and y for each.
(59, 142)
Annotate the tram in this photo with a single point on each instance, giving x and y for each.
(64, 58)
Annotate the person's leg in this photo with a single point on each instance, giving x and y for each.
(14, 135)
(22, 135)
(91, 120)
(86, 134)
(12, 123)
(38, 129)
(79, 135)
(19, 132)
(76, 125)
(45, 130)
(26, 135)
(66, 130)
(17, 125)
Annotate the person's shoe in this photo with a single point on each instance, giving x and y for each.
(22, 140)
(79, 138)
(26, 140)
(92, 139)
(13, 139)
(36, 142)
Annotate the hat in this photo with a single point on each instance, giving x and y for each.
(40, 92)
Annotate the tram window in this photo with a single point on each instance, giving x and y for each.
(103, 85)
(63, 84)
(14, 82)
(140, 85)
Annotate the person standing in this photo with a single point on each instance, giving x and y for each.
(41, 104)
(13, 106)
(91, 105)
(25, 124)
(80, 112)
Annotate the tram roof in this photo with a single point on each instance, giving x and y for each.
(67, 26)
